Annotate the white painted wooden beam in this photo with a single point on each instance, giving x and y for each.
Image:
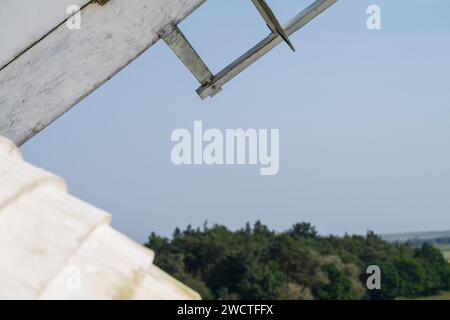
(24, 22)
(57, 72)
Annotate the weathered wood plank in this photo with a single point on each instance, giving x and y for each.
(67, 65)
(24, 22)
(176, 41)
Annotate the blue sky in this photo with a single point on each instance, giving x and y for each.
(364, 119)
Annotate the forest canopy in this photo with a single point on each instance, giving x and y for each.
(258, 263)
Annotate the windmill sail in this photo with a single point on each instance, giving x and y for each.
(50, 68)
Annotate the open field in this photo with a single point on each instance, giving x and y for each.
(426, 235)
(441, 296)
(447, 255)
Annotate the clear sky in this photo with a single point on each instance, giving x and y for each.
(364, 119)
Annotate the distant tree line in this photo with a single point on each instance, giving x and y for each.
(257, 263)
(437, 241)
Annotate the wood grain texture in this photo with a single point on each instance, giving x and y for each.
(67, 65)
(24, 22)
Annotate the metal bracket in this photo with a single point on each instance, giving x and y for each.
(211, 84)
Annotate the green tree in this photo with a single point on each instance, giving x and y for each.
(258, 263)
(339, 286)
